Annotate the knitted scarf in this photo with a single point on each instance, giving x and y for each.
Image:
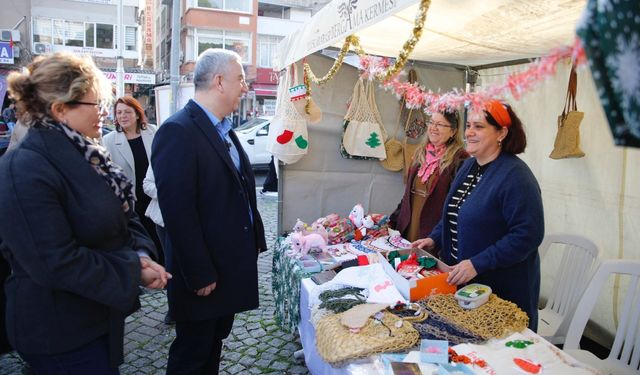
(99, 159)
(431, 163)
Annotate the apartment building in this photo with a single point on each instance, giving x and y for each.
(89, 27)
(15, 41)
(251, 28)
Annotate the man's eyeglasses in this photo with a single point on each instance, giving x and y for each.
(103, 104)
(439, 125)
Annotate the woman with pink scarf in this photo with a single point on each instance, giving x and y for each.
(432, 170)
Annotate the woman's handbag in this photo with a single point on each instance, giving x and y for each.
(567, 143)
(288, 139)
(387, 333)
(364, 134)
(393, 147)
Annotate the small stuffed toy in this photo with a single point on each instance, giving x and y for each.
(357, 215)
(301, 244)
(300, 226)
(318, 228)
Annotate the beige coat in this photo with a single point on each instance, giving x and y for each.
(117, 145)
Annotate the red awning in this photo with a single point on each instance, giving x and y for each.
(263, 89)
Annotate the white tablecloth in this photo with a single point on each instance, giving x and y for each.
(555, 361)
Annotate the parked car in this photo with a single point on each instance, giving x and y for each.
(253, 136)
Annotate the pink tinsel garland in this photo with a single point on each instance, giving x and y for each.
(517, 84)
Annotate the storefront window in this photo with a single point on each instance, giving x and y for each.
(205, 43)
(42, 30)
(74, 35)
(130, 38)
(237, 42)
(217, 4)
(104, 36)
(89, 35)
(58, 32)
(239, 5)
(267, 46)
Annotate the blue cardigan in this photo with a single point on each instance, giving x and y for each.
(500, 226)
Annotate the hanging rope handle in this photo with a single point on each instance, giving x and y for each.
(354, 103)
(572, 88)
(370, 86)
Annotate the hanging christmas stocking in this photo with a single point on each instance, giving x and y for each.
(285, 137)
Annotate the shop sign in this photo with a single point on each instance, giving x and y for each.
(95, 52)
(137, 78)
(148, 22)
(332, 24)
(6, 53)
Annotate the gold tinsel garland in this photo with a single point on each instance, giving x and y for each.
(410, 44)
(351, 39)
(403, 56)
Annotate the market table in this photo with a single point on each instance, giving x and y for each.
(556, 361)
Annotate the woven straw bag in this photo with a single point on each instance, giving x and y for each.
(365, 134)
(288, 140)
(336, 344)
(394, 148)
(567, 143)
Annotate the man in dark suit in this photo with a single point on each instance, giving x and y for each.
(206, 192)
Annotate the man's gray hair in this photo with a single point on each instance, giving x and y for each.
(211, 62)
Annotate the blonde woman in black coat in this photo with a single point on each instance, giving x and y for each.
(77, 250)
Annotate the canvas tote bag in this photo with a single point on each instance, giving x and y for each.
(354, 102)
(567, 143)
(288, 139)
(365, 135)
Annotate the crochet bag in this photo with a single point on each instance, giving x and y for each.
(415, 126)
(567, 143)
(335, 343)
(364, 135)
(288, 139)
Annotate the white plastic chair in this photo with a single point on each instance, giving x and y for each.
(575, 269)
(624, 357)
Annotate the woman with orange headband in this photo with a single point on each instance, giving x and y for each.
(493, 222)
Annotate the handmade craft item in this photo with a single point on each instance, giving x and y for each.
(393, 147)
(343, 299)
(288, 140)
(567, 143)
(434, 351)
(518, 344)
(528, 366)
(437, 327)
(365, 133)
(456, 358)
(357, 215)
(611, 36)
(301, 244)
(357, 316)
(384, 333)
(495, 319)
(299, 226)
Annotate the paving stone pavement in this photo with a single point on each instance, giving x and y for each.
(256, 344)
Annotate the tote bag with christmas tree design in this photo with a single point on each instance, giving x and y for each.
(288, 139)
(364, 134)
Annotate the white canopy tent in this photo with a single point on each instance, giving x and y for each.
(597, 196)
(462, 32)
